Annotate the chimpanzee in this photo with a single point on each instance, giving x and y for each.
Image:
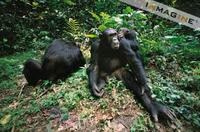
(130, 36)
(130, 48)
(109, 56)
(32, 71)
(60, 60)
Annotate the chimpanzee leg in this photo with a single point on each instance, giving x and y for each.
(96, 83)
(156, 110)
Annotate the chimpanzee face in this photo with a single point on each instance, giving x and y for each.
(128, 34)
(110, 37)
(123, 32)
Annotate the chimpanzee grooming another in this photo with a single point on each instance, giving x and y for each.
(109, 56)
(130, 48)
(130, 36)
(60, 60)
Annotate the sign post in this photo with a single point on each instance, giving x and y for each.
(166, 12)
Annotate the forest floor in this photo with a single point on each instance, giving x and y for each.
(69, 106)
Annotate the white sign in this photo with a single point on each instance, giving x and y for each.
(166, 12)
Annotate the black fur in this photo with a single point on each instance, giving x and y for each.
(59, 61)
(32, 71)
(106, 60)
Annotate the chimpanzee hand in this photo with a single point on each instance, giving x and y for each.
(161, 112)
(156, 110)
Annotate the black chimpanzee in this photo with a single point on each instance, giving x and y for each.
(60, 59)
(130, 48)
(32, 71)
(109, 56)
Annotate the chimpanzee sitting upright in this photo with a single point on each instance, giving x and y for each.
(60, 59)
(109, 56)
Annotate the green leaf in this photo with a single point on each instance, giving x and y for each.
(4, 120)
(104, 16)
(69, 2)
(102, 28)
(73, 25)
(91, 35)
(128, 10)
(35, 4)
(118, 20)
(95, 16)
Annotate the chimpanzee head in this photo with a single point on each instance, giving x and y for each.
(128, 34)
(32, 71)
(110, 38)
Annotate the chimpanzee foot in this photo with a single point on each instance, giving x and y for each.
(161, 112)
(97, 92)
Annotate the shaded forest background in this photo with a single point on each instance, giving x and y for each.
(23, 22)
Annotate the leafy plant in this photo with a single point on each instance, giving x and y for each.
(74, 31)
(142, 124)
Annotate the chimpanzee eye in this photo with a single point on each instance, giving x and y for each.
(113, 34)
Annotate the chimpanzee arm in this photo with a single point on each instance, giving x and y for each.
(134, 61)
(139, 56)
(135, 47)
(94, 54)
(156, 110)
(136, 66)
(96, 83)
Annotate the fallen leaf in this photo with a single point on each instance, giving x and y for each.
(4, 120)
